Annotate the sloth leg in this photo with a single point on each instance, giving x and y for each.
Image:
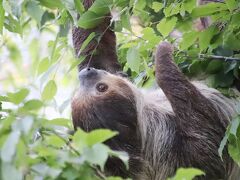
(188, 104)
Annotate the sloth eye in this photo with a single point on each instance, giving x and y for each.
(102, 87)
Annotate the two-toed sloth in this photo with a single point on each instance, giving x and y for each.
(179, 125)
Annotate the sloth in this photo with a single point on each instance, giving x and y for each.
(181, 124)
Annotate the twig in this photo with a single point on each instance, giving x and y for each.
(98, 42)
(98, 172)
(45, 131)
(131, 34)
(215, 57)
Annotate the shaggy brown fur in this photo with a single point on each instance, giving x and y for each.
(180, 125)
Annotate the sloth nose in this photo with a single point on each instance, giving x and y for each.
(88, 73)
(89, 77)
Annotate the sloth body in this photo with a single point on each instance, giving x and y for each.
(179, 125)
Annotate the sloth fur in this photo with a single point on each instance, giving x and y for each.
(179, 125)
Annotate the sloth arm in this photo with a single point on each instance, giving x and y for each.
(189, 105)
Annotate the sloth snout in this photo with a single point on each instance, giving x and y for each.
(88, 73)
(89, 76)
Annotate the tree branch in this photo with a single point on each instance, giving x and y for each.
(215, 57)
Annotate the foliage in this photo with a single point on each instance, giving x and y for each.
(37, 86)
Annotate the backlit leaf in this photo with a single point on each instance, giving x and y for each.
(166, 26)
(86, 42)
(49, 90)
(133, 59)
(19, 96)
(188, 40)
(231, 4)
(89, 20)
(79, 6)
(205, 37)
(34, 11)
(157, 6)
(2, 16)
(33, 104)
(9, 148)
(187, 174)
(208, 9)
(43, 65)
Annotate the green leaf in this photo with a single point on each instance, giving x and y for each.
(140, 4)
(101, 7)
(82, 140)
(189, 5)
(70, 6)
(4, 99)
(51, 4)
(64, 105)
(6, 124)
(43, 65)
(166, 26)
(221, 79)
(95, 14)
(188, 40)
(55, 141)
(100, 136)
(214, 67)
(121, 155)
(231, 4)
(22, 153)
(171, 10)
(97, 155)
(79, 6)
(12, 25)
(13, 7)
(157, 6)
(86, 42)
(113, 178)
(89, 20)
(231, 41)
(208, 9)
(187, 174)
(9, 148)
(76, 62)
(195, 67)
(222, 145)
(151, 37)
(2, 16)
(57, 122)
(125, 20)
(46, 17)
(19, 96)
(49, 90)
(206, 36)
(229, 66)
(23, 125)
(133, 59)
(234, 152)
(34, 10)
(46, 171)
(10, 172)
(33, 104)
(234, 126)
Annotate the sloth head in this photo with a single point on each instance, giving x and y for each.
(104, 100)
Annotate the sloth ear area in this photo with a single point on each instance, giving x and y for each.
(121, 74)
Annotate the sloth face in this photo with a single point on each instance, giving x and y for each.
(106, 101)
